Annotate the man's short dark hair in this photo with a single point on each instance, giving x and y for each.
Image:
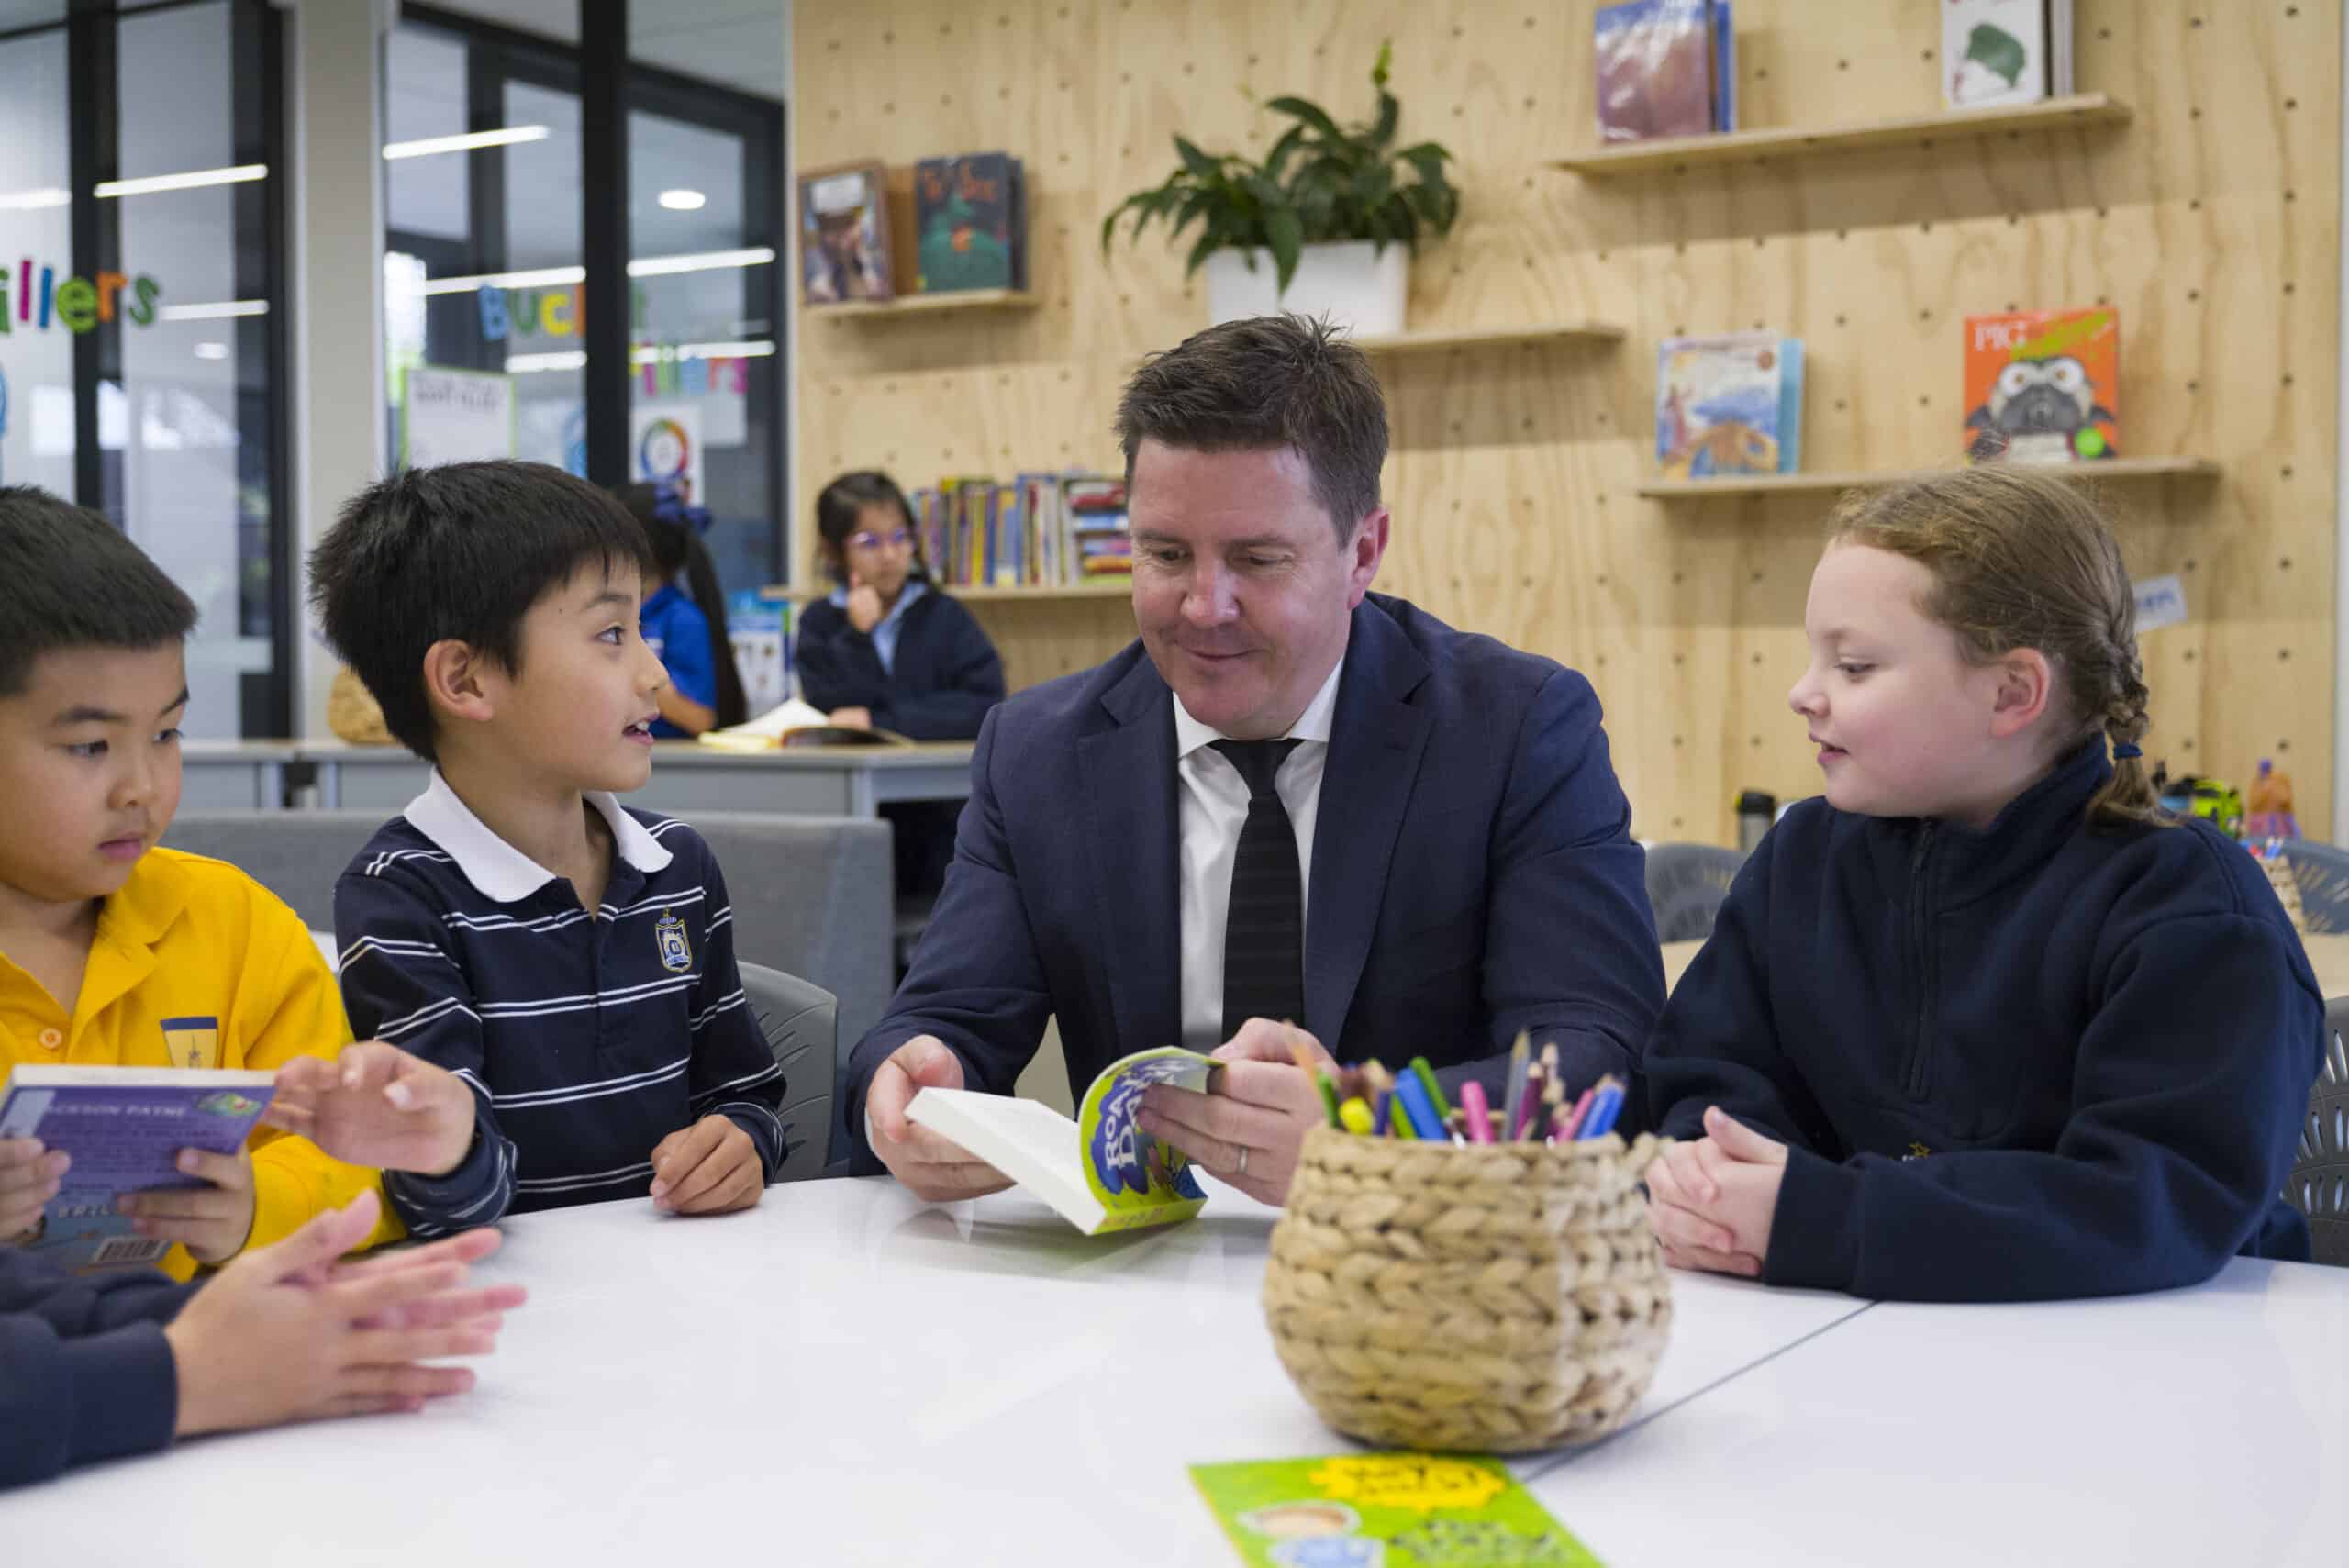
(1264, 382)
(70, 579)
(461, 552)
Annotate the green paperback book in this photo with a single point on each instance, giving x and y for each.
(1385, 1510)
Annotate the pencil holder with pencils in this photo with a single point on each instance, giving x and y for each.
(1486, 1297)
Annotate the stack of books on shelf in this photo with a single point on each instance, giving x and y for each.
(1038, 531)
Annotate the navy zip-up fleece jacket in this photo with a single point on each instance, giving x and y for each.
(2035, 1060)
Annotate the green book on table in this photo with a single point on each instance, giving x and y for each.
(1399, 1510)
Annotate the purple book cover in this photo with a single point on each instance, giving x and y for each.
(124, 1127)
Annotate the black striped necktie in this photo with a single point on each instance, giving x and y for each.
(1264, 930)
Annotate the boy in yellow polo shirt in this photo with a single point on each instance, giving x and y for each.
(114, 951)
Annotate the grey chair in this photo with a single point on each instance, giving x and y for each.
(1686, 884)
(2321, 875)
(2319, 1183)
(800, 1021)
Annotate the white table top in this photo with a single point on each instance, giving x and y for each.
(841, 1375)
(2205, 1426)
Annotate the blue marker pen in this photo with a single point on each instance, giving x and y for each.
(1411, 1099)
(1604, 1109)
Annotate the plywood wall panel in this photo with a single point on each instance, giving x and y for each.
(2210, 218)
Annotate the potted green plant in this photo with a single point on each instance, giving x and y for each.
(1327, 223)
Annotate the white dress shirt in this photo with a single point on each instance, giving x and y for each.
(1211, 808)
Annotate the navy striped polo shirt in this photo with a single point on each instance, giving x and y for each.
(585, 1040)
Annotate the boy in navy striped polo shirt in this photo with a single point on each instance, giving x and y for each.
(571, 960)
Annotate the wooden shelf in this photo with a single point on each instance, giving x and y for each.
(1110, 588)
(915, 304)
(1114, 588)
(2190, 468)
(1684, 153)
(1438, 338)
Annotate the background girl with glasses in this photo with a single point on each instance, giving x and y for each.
(888, 649)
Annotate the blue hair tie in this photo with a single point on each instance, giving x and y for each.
(2125, 751)
(668, 507)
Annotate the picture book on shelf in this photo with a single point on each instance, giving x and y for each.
(1101, 1172)
(1402, 1510)
(124, 1128)
(1729, 405)
(1665, 68)
(970, 220)
(844, 235)
(1997, 53)
(2043, 385)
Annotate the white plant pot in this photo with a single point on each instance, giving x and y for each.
(1351, 283)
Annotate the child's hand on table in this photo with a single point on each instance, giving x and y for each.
(711, 1167)
(287, 1333)
(1710, 1202)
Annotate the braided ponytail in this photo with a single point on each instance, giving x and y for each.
(2128, 796)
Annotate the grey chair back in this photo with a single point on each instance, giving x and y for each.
(800, 1022)
(1686, 884)
(2319, 1183)
(2321, 875)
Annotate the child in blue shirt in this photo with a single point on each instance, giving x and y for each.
(1983, 1023)
(687, 632)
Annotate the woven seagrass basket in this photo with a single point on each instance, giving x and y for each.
(1491, 1298)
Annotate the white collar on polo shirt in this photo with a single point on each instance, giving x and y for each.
(495, 868)
(1313, 724)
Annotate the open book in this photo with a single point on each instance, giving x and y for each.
(1101, 1172)
(124, 1127)
(795, 723)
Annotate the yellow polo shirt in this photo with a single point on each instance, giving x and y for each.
(196, 964)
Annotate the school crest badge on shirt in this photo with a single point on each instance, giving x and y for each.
(677, 952)
(191, 1042)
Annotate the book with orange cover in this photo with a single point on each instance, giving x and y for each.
(2043, 385)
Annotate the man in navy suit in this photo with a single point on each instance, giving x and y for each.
(1291, 799)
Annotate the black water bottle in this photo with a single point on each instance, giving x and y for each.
(1756, 809)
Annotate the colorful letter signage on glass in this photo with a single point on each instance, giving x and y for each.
(31, 298)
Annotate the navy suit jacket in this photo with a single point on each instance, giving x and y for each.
(1473, 874)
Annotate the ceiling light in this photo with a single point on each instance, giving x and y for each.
(684, 201)
(543, 277)
(28, 201)
(703, 261)
(212, 350)
(471, 141)
(649, 267)
(193, 180)
(220, 310)
(523, 364)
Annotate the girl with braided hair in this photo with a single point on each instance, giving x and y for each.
(1982, 1023)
